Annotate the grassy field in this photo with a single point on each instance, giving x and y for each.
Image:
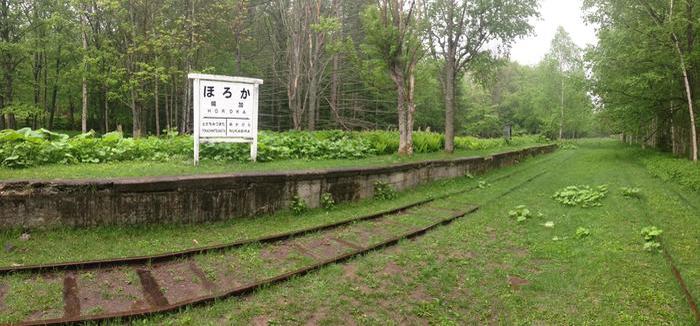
(185, 167)
(483, 268)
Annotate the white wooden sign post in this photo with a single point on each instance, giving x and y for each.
(225, 110)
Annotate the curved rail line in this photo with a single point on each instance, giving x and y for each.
(169, 256)
(161, 306)
(159, 258)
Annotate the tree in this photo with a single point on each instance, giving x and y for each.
(463, 30)
(394, 35)
(667, 23)
(566, 56)
(644, 68)
(12, 31)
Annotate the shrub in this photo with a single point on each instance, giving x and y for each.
(383, 191)
(327, 201)
(520, 213)
(298, 206)
(582, 232)
(585, 196)
(651, 235)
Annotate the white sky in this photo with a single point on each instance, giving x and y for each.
(554, 13)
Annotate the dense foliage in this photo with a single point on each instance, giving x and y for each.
(122, 65)
(644, 71)
(26, 147)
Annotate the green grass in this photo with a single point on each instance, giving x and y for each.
(462, 273)
(458, 274)
(179, 166)
(29, 294)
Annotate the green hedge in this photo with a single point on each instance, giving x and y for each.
(26, 147)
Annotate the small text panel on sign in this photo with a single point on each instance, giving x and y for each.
(226, 109)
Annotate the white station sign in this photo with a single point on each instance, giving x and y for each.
(225, 110)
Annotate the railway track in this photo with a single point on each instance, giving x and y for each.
(137, 289)
(125, 288)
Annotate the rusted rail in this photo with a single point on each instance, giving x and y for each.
(158, 304)
(159, 258)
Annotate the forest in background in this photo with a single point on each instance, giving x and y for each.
(320, 69)
(440, 65)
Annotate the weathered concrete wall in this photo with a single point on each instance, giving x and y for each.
(203, 198)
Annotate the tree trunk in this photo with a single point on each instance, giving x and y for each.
(167, 108)
(71, 112)
(410, 109)
(561, 117)
(105, 91)
(9, 117)
(185, 104)
(691, 111)
(157, 113)
(688, 92)
(449, 80)
(405, 145)
(54, 91)
(84, 114)
(135, 114)
(312, 104)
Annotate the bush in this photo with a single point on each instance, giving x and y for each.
(327, 201)
(585, 196)
(383, 191)
(298, 206)
(25, 147)
(651, 235)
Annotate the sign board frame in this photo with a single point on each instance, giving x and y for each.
(197, 97)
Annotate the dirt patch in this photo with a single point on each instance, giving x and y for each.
(498, 266)
(225, 275)
(325, 247)
(461, 255)
(392, 268)
(419, 294)
(317, 317)
(278, 252)
(350, 271)
(178, 282)
(516, 282)
(260, 320)
(491, 233)
(539, 261)
(109, 291)
(496, 313)
(519, 252)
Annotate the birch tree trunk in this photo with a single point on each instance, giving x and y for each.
(688, 91)
(689, 97)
